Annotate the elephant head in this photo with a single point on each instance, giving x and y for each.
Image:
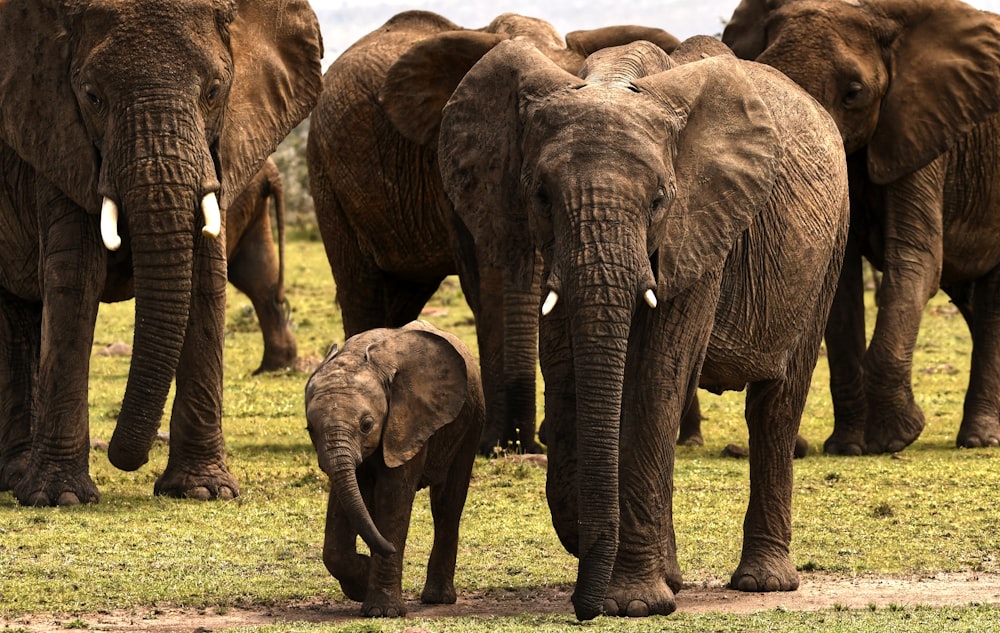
(160, 110)
(389, 391)
(882, 70)
(636, 179)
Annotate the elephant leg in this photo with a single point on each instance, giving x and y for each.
(646, 573)
(506, 329)
(981, 415)
(392, 503)
(845, 347)
(73, 273)
(20, 345)
(447, 503)
(912, 268)
(340, 553)
(253, 269)
(196, 466)
(690, 433)
(559, 427)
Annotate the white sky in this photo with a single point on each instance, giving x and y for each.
(345, 21)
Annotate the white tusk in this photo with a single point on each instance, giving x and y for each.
(213, 219)
(550, 302)
(650, 298)
(109, 225)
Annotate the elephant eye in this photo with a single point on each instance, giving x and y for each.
(213, 92)
(367, 424)
(853, 94)
(542, 195)
(92, 97)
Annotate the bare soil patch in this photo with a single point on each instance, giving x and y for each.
(816, 592)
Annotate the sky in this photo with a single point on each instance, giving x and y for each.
(345, 21)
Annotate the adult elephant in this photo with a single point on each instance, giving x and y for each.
(254, 267)
(387, 225)
(914, 86)
(691, 219)
(124, 126)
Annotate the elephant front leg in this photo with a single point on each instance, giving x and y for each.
(773, 411)
(196, 467)
(73, 272)
(981, 413)
(20, 344)
(392, 502)
(340, 552)
(912, 269)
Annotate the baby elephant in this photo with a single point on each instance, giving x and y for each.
(394, 411)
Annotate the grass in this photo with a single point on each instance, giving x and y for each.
(930, 509)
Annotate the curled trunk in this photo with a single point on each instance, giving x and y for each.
(344, 484)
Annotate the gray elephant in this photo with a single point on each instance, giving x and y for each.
(254, 267)
(394, 411)
(387, 225)
(124, 127)
(692, 220)
(914, 86)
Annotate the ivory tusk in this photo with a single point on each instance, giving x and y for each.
(650, 298)
(213, 219)
(109, 225)
(550, 302)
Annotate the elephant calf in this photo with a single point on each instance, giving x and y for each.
(394, 411)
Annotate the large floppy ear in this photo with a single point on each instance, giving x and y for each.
(277, 79)
(428, 388)
(589, 41)
(39, 118)
(746, 32)
(726, 162)
(943, 76)
(480, 144)
(421, 81)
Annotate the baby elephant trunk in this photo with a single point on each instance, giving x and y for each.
(344, 484)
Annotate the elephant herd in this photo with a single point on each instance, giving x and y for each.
(640, 216)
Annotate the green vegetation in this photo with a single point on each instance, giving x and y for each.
(929, 509)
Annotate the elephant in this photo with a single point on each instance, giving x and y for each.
(253, 267)
(913, 88)
(394, 411)
(124, 127)
(691, 220)
(386, 223)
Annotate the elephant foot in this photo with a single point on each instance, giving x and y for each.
(12, 470)
(764, 574)
(438, 592)
(639, 599)
(216, 483)
(801, 447)
(277, 360)
(846, 439)
(978, 433)
(893, 432)
(690, 439)
(383, 604)
(55, 488)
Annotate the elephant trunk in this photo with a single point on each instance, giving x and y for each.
(520, 357)
(344, 484)
(601, 299)
(160, 196)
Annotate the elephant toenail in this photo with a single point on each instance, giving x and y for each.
(610, 607)
(201, 493)
(772, 584)
(637, 609)
(747, 583)
(68, 499)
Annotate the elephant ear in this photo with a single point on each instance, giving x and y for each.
(697, 48)
(38, 112)
(421, 81)
(277, 79)
(480, 144)
(746, 32)
(726, 162)
(586, 42)
(428, 388)
(943, 82)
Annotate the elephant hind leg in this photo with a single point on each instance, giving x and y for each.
(20, 346)
(981, 415)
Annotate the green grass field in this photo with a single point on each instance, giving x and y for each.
(928, 510)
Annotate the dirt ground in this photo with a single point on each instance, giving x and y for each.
(816, 592)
